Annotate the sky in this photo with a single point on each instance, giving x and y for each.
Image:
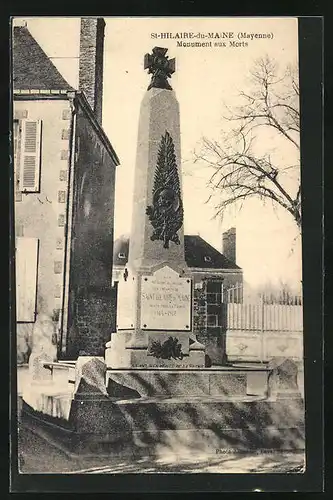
(206, 78)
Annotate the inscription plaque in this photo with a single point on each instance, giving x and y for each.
(165, 301)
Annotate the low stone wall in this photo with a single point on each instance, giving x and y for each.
(244, 345)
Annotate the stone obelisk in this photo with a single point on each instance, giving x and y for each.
(154, 312)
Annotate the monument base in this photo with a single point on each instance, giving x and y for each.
(184, 382)
(126, 351)
(157, 426)
(152, 411)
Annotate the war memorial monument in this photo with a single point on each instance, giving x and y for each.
(152, 391)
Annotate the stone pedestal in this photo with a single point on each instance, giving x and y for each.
(164, 382)
(155, 322)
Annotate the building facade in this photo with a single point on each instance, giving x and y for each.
(64, 181)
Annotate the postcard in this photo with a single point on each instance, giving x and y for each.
(158, 247)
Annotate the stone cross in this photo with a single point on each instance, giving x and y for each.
(161, 68)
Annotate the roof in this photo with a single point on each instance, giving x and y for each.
(33, 71)
(198, 253)
(80, 96)
(32, 68)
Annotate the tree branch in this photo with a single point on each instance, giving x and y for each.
(239, 173)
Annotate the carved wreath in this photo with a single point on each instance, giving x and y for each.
(169, 349)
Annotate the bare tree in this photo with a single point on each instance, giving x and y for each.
(239, 172)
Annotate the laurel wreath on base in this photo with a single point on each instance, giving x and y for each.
(169, 349)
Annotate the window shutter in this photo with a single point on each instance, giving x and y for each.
(16, 129)
(26, 259)
(30, 155)
(16, 133)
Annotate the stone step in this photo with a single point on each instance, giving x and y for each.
(227, 383)
(157, 424)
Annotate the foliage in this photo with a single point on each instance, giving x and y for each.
(170, 349)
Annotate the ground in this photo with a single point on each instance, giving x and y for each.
(38, 455)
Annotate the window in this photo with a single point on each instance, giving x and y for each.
(212, 320)
(207, 258)
(214, 286)
(30, 155)
(121, 255)
(214, 291)
(26, 259)
(214, 298)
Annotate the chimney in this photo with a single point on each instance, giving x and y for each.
(229, 244)
(91, 62)
(19, 23)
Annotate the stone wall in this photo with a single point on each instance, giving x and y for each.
(94, 316)
(212, 337)
(91, 299)
(93, 209)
